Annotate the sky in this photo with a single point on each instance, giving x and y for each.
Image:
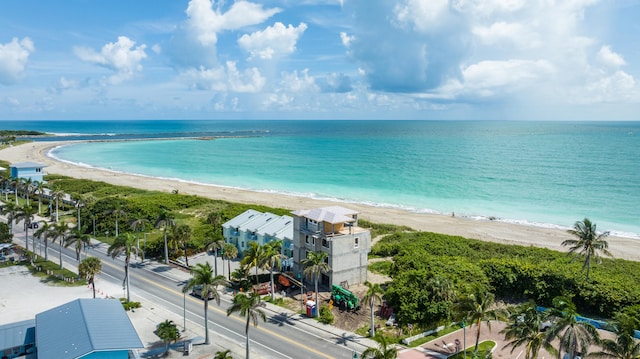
(320, 59)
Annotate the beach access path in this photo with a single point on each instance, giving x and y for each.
(486, 230)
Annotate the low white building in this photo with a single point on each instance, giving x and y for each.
(262, 228)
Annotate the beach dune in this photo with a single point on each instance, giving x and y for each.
(486, 230)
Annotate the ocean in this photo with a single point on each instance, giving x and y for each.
(548, 174)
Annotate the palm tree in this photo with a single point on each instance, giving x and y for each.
(60, 229)
(4, 186)
(624, 346)
(476, 308)
(124, 244)
(15, 184)
(39, 189)
(575, 336)
(57, 195)
(88, 269)
(44, 233)
(27, 186)
(78, 238)
(226, 354)
(314, 265)
(374, 293)
(229, 252)
(524, 329)
(27, 214)
(248, 306)
(183, 235)
(272, 258)
(116, 211)
(202, 275)
(166, 220)
(168, 332)
(385, 350)
(137, 225)
(215, 245)
(589, 243)
(10, 210)
(253, 257)
(81, 201)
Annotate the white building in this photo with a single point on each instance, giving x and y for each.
(333, 230)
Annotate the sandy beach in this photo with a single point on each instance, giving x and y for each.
(494, 231)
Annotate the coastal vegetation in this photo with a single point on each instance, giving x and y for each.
(436, 278)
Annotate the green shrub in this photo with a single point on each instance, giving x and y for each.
(326, 315)
(127, 305)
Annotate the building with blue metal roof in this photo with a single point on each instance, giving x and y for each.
(86, 328)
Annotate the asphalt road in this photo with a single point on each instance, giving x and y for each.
(283, 335)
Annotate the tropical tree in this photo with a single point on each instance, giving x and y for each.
(137, 225)
(475, 307)
(57, 195)
(116, 211)
(183, 235)
(272, 258)
(588, 243)
(168, 332)
(124, 244)
(39, 189)
(374, 293)
(625, 346)
(229, 252)
(385, 350)
(523, 329)
(215, 245)
(10, 210)
(4, 185)
(165, 220)
(27, 186)
(249, 306)
(27, 214)
(202, 276)
(79, 240)
(253, 256)
(314, 265)
(88, 269)
(44, 233)
(59, 230)
(15, 184)
(575, 336)
(80, 202)
(226, 354)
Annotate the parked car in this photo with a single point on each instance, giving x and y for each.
(34, 225)
(197, 291)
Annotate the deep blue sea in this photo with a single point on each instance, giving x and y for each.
(536, 173)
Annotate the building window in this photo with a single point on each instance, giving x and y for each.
(356, 242)
(306, 239)
(325, 243)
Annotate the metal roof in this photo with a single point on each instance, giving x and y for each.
(28, 165)
(84, 326)
(263, 223)
(241, 218)
(16, 334)
(333, 214)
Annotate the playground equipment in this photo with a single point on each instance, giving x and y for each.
(343, 297)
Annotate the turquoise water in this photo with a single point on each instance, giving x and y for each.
(540, 173)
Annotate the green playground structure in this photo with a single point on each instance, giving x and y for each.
(343, 298)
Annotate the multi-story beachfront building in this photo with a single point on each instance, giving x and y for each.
(333, 230)
(262, 228)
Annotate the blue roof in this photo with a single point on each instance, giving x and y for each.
(84, 326)
(16, 334)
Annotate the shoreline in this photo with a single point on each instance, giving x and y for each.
(485, 230)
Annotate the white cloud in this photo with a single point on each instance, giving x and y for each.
(227, 78)
(491, 75)
(274, 41)
(610, 58)
(292, 82)
(13, 59)
(510, 33)
(207, 22)
(121, 57)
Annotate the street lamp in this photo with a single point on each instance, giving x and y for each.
(107, 233)
(144, 250)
